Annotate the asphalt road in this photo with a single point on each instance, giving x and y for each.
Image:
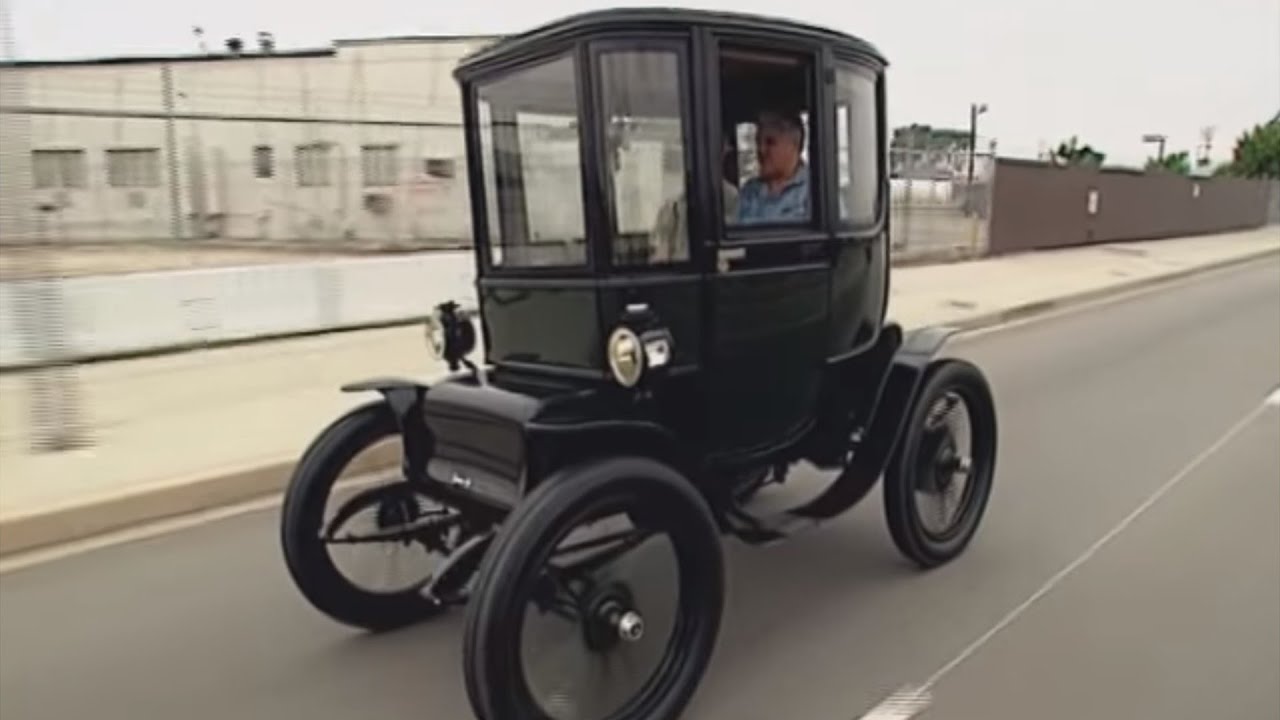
(1152, 403)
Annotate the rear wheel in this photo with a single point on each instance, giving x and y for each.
(940, 478)
(357, 461)
(619, 622)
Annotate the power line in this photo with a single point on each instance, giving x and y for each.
(222, 117)
(249, 93)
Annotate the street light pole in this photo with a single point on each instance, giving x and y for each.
(1159, 139)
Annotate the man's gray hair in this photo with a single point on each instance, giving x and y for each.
(787, 122)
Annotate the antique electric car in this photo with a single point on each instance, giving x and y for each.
(682, 274)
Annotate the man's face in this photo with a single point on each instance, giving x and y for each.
(777, 150)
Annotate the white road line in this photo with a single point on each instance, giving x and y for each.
(902, 705)
(923, 690)
(1273, 400)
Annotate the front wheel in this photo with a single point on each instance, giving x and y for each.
(413, 531)
(618, 622)
(940, 477)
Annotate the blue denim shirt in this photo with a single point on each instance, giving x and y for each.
(757, 205)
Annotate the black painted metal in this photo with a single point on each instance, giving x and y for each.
(516, 49)
(780, 353)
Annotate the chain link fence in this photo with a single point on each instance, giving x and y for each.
(938, 209)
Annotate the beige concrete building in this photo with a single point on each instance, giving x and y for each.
(358, 141)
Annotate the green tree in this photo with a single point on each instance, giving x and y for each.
(1257, 152)
(1071, 152)
(1179, 162)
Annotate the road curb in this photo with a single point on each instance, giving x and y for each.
(40, 530)
(82, 521)
(1040, 307)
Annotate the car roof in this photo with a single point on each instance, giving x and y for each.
(578, 25)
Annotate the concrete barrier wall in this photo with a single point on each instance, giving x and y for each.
(1035, 205)
(120, 314)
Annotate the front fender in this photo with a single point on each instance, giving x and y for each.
(422, 444)
(397, 391)
(405, 398)
(921, 345)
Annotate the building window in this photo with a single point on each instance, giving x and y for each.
(857, 146)
(378, 165)
(59, 168)
(133, 167)
(312, 164)
(263, 161)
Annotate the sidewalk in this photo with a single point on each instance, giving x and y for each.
(181, 433)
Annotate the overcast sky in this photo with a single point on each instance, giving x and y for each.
(1106, 70)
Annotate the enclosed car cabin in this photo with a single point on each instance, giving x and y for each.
(723, 172)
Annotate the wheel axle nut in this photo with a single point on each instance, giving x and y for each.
(630, 626)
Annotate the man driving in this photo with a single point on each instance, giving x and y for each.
(780, 191)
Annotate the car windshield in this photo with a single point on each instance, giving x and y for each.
(532, 166)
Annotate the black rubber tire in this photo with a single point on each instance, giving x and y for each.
(901, 513)
(302, 519)
(495, 685)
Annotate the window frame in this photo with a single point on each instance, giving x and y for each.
(263, 153)
(370, 151)
(324, 150)
(729, 237)
(678, 44)
(478, 179)
(127, 151)
(80, 171)
(872, 225)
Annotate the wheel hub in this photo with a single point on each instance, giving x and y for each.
(610, 617)
(937, 461)
(944, 463)
(630, 626)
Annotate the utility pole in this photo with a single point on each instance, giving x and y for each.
(171, 152)
(1206, 148)
(975, 109)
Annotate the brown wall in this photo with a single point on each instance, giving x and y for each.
(1035, 205)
